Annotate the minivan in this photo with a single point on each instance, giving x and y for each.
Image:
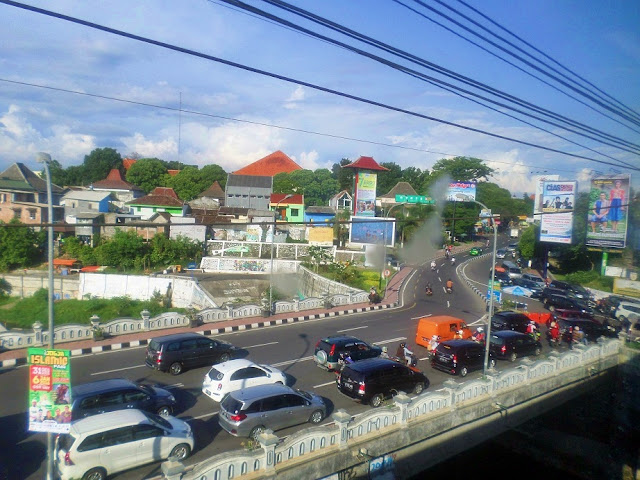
(444, 326)
(175, 353)
(112, 394)
(512, 269)
(99, 446)
(509, 345)
(372, 380)
(459, 357)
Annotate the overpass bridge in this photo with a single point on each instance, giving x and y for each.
(410, 435)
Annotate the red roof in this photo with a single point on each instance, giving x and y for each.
(164, 191)
(64, 262)
(366, 163)
(160, 196)
(114, 181)
(270, 166)
(295, 199)
(173, 173)
(127, 162)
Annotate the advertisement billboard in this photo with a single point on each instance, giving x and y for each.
(366, 194)
(380, 231)
(49, 390)
(607, 215)
(461, 192)
(537, 204)
(558, 199)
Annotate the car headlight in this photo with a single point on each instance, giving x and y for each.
(172, 398)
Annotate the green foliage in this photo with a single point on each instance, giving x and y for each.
(148, 173)
(344, 176)
(5, 288)
(99, 163)
(463, 169)
(19, 246)
(317, 186)
(122, 250)
(191, 182)
(74, 248)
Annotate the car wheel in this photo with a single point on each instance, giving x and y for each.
(256, 431)
(225, 357)
(316, 417)
(180, 451)
(512, 357)
(175, 368)
(376, 400)
(164, 411)
(463, 372)
(321, 357)
(95, 474)
(538, 351)
(419, 388)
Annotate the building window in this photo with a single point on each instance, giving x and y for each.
(32, 214)
(89, 206)
(295, 212)
(17, 213)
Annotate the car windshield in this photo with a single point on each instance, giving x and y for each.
(231, 405)
(146, 389)
(496, 340)
(158, 420)
(215, 374)
(306, 395)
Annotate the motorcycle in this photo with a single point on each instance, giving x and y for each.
(449, 290)
(453, 261)
(433, 267)
(429, 291)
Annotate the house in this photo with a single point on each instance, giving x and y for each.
(388, 200)
(288, 209)
(211, 199)
(144, 228)
(23, 196)
(341, 201)
(161, 199)
(88, 226)
(269, 166)
(121, 190)
(248, 191)
(84, 201)
(319, 215)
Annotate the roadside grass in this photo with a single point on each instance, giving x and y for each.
(26, 311)
(588, 279)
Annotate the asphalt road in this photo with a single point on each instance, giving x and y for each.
(288, 347)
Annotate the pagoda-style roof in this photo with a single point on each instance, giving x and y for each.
(401, 188)
(160, 196)
(366, 163)
(214, 191)
(269, 166)
(114, 181)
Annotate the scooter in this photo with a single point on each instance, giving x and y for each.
(449, 290)
(429, 292)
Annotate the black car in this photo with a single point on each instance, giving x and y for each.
(174, 353)
(570, 289)
(509, 320)
(459, 357)
(372, 380)
(502, 277)
(592, 329)
(547, 292)
(329, 349)
(554, 302)
(118, 394)
(535, 287)
(509, 345)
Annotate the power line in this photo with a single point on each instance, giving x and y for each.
(294, 81)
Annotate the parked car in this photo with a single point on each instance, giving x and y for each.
(475, 251)
(502, 277)
(328, 350)
(237, 374)
(175, 353)
(547, 292)
(509, 320)
(535, 287)
(576, 291)
(592, 330)
(534, 278)
(501, 253)
(628, 311)
(104, 396)
(372, 380)
(459, 357)
(608, 305)
(512, 247)
(102, 445)
(562, 301)
(249, 411)
(509, 345)
(568, 313)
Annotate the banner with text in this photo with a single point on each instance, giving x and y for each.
(537, 204)
(461, 192)
(380, 231)
(49, 390)
(608, 207)
(366, 194)
(558, 198)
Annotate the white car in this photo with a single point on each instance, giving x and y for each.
(100, 445)
(629, 311)
(501, 253)
(237, 374)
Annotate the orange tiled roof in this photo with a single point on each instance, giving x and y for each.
(114, 181)
(173, 173)
(269, 166)
(295, 199)
(366, 163)
(127, 162)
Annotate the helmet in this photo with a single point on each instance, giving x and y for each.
(577, 329)
(403, 344)
(459, 332)
(435, 337)
(385, 349)
(480, 329)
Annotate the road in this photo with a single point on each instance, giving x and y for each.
(288, 347)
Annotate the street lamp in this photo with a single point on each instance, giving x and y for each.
(273, 235)
(45, 159)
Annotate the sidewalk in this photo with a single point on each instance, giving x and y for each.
(391, 299)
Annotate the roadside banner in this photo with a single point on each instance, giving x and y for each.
(537, 204)
(608, 211)
(461, 192)
(366, 194)
(558, 198)
(49, 390)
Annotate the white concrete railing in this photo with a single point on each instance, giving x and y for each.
(345, 430)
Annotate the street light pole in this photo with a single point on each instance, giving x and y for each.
(45, 159)
(273, 235)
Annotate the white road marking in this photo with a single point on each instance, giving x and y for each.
(382, 342)
(175, 385)
(448, 305)
(118, 369)
(289, 362)
(201, 416)
(261, 345)
(421, 316)
(324, 384)
(354, 328)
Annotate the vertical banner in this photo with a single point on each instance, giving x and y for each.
(558, 199)
(49, 390)
(537, 204)
(461, 192)
(366, 194)
(608, 211)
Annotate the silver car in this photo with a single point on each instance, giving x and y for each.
(250, 411)
(501, 253)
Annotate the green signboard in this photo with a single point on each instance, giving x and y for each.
(415, 199)
(49, 390)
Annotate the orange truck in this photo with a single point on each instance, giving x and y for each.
(443, 326)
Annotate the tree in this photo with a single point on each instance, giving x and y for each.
(99, 163)
(318, 186)
(147, 173)
(19, 246)
(388, 179)
(462, 169)
(344, 176)
(416, 178)
(125, 250)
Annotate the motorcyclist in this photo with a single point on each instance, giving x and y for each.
(433, 264)
(449, 285)
(385, 352)
(433, 344)
(479, 335)
(404, 353)
(428, 290)
(453, 260)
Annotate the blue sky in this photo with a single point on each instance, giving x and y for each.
(244, 116)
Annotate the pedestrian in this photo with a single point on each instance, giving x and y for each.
(569, 338)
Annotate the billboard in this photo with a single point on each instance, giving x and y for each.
(366, 194)
(607, 214)
(380, 231)
(558, 198)
(461, 192)
(537, 204)
(49, 390)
